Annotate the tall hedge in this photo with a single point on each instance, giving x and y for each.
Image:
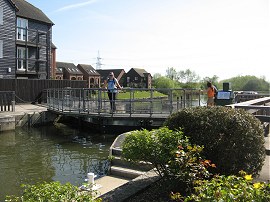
(233, 139)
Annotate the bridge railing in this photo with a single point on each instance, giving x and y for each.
(129, 101)
(260, 108)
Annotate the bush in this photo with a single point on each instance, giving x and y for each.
(170, 152)
(53, 192)
(231, 188)
(232, 139)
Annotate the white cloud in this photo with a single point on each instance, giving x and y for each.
(74, 6)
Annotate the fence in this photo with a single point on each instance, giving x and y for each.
(7, 101)
(130, 101)
(32, 90)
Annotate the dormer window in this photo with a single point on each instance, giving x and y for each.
(22, 26)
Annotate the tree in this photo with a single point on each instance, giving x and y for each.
(188, 76)
(213, 79)
(165, 82)
(172, 74)
(248, 83)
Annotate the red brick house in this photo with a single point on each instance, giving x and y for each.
(90, 75)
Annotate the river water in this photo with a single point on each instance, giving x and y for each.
(54, 153)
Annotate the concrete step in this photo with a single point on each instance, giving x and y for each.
(125, 172)
(142, 166)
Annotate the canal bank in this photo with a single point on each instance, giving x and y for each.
(26, 115)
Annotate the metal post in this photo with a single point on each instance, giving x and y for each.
(63, 100)
(151, 101)
(130, 100)
(177, 103)
(199, 97)
(99, 101)
(184, 98)
(171, 101)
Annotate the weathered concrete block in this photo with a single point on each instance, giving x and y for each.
(7, 123)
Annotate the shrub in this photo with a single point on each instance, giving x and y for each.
(53, 192)
(170, 152)
(230, 189)
(233, 139)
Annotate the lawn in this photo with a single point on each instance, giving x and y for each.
(139, 94)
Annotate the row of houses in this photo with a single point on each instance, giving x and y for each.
(27, 51)
(135, 77)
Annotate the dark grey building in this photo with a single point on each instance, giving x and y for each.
(138, 78)
(25, 41)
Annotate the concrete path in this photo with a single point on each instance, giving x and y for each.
(24, 108)
(109, 183)
(265, 172)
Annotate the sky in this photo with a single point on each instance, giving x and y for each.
(226, 38)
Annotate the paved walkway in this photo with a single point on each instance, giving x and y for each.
(265, 172)
(24, 108)
(109, 183)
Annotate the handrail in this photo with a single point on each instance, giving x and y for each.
(260, 108)
(95, 100)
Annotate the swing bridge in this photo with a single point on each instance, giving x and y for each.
(138, 106)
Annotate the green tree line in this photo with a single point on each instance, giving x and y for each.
(190, 79)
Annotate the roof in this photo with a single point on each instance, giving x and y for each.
(59, 70)
(104, 73)
(53, 46)
(89, 69)
(27, 10)
(69, 67)
(141, 72)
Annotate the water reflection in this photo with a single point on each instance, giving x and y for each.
(49, 154)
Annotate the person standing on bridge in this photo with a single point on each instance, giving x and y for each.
(211, 91)
(112, 86)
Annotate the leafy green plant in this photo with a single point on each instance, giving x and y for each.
(229, 189)
(232, 139)
(53, 192)
(170, 153)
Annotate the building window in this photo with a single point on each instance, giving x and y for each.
(22, 25)
(136, 78)
(128, 79)
(21, 58)
(1, 15)
(1, 49)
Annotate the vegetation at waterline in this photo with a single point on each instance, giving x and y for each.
(53, 192)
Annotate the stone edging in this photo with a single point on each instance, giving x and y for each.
(131, 188)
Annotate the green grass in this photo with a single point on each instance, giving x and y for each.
(139, 94)
(125, 95)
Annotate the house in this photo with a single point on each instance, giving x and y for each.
(119, 74)
(70, 71)
(138, 78)
(25, 41)
(90, 75)
(59, 73)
